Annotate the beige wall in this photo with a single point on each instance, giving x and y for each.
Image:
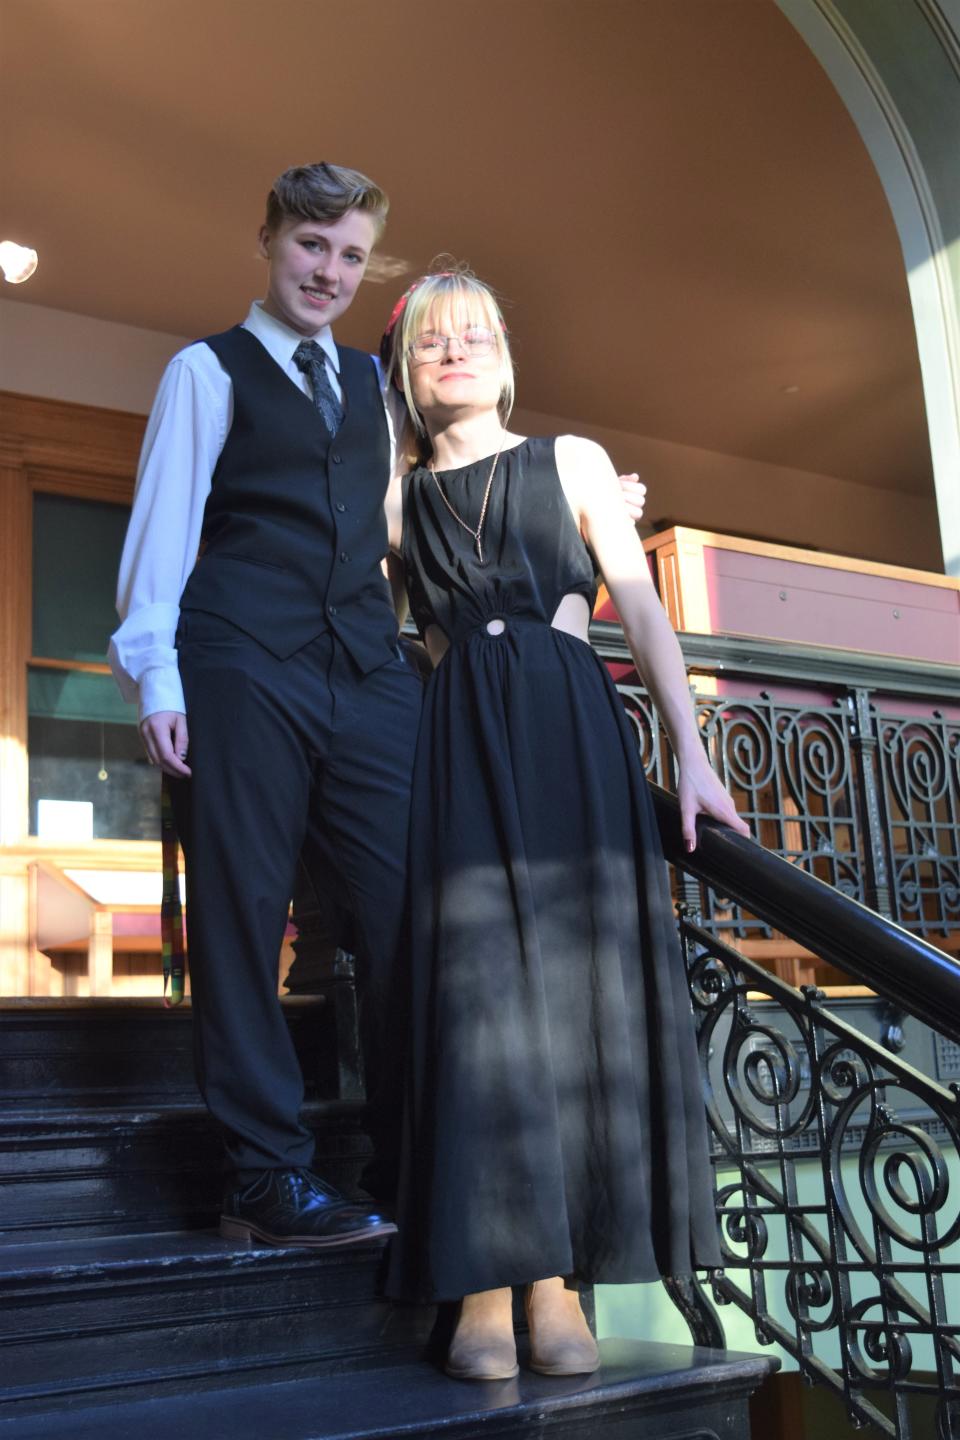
(895, 68)
(61, 356)
(713, 491)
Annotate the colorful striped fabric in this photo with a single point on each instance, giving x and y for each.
(171, 909)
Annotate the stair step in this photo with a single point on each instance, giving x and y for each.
(657, 1392)
(132, 1052)
(106, 1170)
(143, 1315)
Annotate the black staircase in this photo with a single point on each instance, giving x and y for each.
(850, 1261)
(835, 1118)
(122, 1313)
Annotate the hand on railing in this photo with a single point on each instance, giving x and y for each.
(871, 949)
(700, 792)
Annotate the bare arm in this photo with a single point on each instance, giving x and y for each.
(592, 484)
(393, 569)
(634, 495)
(393, 508)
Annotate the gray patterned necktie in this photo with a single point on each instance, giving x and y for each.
(309, 358)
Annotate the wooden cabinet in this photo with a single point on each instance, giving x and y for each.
(721, 585)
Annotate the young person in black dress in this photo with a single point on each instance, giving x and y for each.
(556, 1130)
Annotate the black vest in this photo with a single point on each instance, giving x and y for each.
(294, 529)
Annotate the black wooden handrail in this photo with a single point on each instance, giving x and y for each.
(899, 966)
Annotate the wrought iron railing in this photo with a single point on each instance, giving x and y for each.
(836, 1162)
(848, 766)
(852, 1259)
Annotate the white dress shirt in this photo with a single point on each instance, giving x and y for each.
(185, 434)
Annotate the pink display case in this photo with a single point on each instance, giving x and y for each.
(721, 585)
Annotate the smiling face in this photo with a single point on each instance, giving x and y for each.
(457, 379)
(315, 268)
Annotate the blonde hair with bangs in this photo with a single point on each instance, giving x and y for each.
(473, 303)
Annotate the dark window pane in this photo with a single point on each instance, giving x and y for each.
(66, 760)
(76, 554)
(77, 695)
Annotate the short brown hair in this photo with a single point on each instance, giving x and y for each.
(324, 192)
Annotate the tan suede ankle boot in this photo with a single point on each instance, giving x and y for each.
(483, 1345)
(560, 1338)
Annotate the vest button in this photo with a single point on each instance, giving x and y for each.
(340, 506)
(336, 457)
(344, 557)
(331, 609)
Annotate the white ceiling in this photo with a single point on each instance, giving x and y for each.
(669, 193)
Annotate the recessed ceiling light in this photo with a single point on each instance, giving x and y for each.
(17, 262)
(790, 389)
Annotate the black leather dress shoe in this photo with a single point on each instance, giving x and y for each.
(296, 1207)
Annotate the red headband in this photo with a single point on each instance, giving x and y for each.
(401, 305)
(397, 311)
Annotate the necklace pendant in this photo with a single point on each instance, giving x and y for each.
(483, 508)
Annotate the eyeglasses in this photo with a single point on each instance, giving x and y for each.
(474, 342)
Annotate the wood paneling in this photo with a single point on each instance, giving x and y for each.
(90, 444)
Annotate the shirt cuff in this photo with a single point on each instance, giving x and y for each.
(161, 689)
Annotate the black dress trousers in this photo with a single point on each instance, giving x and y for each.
(286, 755)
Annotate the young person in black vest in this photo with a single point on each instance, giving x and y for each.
(268, 449)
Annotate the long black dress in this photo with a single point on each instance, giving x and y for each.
(555, 1119)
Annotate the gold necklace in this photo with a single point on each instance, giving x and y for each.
(483, 508)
